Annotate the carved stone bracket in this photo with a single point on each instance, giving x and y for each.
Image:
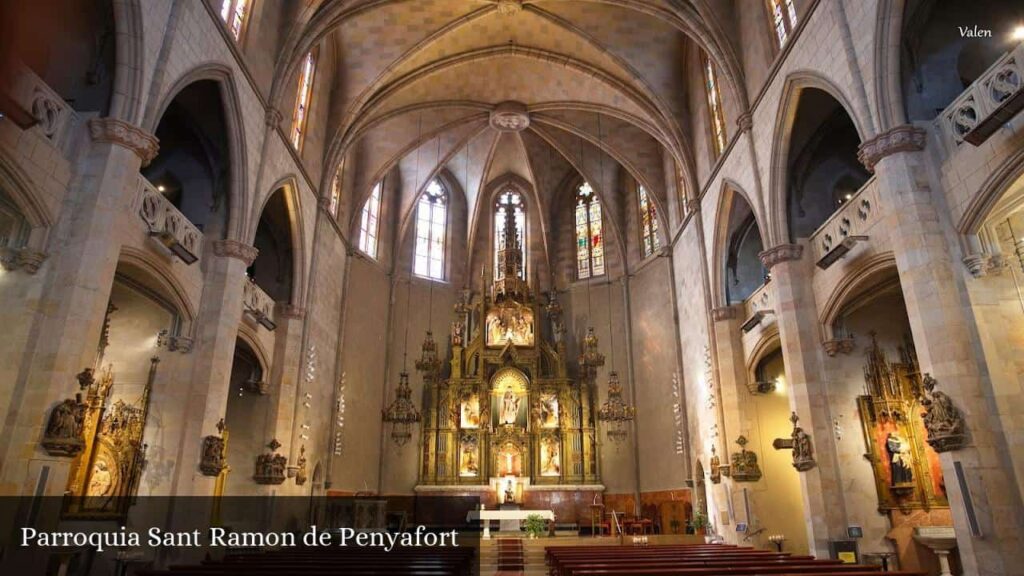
(21, 259)
(273, 118)
(235, 249)
(942, 419)
(838, 345)
(981, 265)
(904, 138)
(781, 253)
(286, 311)
(724, 313)
(181, 344)
(114, 131)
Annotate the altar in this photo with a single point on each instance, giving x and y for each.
(486, 516)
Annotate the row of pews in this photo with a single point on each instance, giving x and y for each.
(694, 560)
(401, 561)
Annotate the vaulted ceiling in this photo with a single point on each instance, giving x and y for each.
(603, 83)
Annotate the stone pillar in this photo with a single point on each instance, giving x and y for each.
(808, 395)
(216, 332)
(948, 348)
(732, 373)
(74, 302)
(290, 365)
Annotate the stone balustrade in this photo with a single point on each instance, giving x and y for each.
(854, 218)
(257, 304)
(761, 299)
(51, 114)
(982, 107)
(167, 224)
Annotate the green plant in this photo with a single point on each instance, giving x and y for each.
(700, 522)
(534, 525)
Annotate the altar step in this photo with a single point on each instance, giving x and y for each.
(512, 556)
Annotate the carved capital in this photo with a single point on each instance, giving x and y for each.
(235, 249)
(181, 344)
(981, 265)
(273, 118)
(839, 345)
(723, 313)
(114, 131)
(23, 259)
(904, 138)
(781, 253)
(288, 311)
(745, 122)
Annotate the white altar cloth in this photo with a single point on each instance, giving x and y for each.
(486, 516)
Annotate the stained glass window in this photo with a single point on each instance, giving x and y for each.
(589, 238)
(234, 13)
(303, 99)
(718, 135)
(783, 15)
(369, 223)
(431, 224)
(508, 200)
(648, 223)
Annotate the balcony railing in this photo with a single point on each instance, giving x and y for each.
(988, 103)
(857, 214)
(257, 304)
(760, 300)
(47, 110)
(168, 225)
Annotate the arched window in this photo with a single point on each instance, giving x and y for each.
(648, 223)
(235, 13)
(508, 200)
(431, 225)
(303, 99)
(369, 223)
(783, 17)
(718, 135)
(589, 239)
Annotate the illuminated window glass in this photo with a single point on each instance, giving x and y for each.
(648, 223)
(589, 239)
(508, 200)
(783, 16)
(369, 223)
(303, 99)
(234, 13)
(718, 135)
(431, 222)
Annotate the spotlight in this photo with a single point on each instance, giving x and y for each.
(161, 188)
(1018, 33)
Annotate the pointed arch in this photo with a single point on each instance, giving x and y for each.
(287, 186)
(877, 270)
(731, 198)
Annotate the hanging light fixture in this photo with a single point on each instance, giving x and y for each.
(429, 363)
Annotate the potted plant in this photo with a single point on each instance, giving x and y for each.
(700, 523)
(534, 525)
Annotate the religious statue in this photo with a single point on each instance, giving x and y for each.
(509, 408)
(744, 466)
(549, 410)
(510, 494)
(63, 434)
(716, 467)
(803, 450)
(101, 481)
(300, 473)
(270, 467)
(213, 461)
(552, 465)
(900, 468)
(942, 420)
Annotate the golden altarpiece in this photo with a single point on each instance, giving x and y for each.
(508, 415)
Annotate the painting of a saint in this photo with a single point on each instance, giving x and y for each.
(549, 410)
(467, 458)
(550, 459)
(101, 482)
(470, 411)
(900, 465)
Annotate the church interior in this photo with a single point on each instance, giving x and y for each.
(677, 277)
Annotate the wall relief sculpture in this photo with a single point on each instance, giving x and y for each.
(942, 420)
(744, 467)
(63, 435)
(270, 467)
(214, 458)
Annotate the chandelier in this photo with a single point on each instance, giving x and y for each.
(429, 362)
(615, 412)
(402, 413)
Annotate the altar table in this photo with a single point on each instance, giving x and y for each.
(486, 516)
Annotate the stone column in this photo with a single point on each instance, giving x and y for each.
(290, 365)
(808, 395)
(948, 348)
(74, 302)
(732, 373)
(216, 331)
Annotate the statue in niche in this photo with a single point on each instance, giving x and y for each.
(509, 408)
(900, 465)
(942, 420)
(101, 481)
(510, 493)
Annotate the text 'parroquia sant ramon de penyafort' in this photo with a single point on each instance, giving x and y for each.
(742, 270)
